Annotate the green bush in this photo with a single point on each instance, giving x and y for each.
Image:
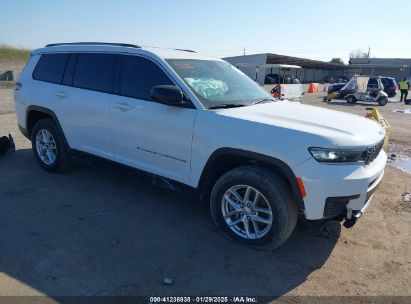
(7, 52)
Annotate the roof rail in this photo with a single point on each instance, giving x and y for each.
(95, 43)
(185, 50)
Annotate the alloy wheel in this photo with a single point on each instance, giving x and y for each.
(246, 212)
(46, 146)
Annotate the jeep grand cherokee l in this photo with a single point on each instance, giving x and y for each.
(201, 122)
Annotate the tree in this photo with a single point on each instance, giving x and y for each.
(337, 61)
(359, 54)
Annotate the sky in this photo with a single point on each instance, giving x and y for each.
(310, 29)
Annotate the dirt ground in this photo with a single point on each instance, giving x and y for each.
(103, 230)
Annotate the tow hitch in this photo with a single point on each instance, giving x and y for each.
(351, 218)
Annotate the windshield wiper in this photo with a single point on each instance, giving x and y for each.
(264, 100)
(227, 106)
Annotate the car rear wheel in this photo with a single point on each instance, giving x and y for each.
(351, 99)
(383, 101)
(49, 146)
(253, 205)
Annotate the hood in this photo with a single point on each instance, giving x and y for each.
(342, 129)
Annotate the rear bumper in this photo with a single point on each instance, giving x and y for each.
(338, 191)
(391, 93)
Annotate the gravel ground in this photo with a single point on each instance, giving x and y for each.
(100, 229)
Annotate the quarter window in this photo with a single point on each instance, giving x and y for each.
(139, 75)
(50, 67)
(95, 72)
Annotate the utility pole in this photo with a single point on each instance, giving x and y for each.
(243, 51)
(369, 50)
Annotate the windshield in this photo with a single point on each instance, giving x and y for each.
(218, 83)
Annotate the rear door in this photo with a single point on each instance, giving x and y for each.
(47, 82)
(389, 83)
(83, 103)
(146, 134)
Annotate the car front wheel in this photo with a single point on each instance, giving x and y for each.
(351, 99)
(253, 205)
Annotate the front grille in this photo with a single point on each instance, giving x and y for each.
(372, 152)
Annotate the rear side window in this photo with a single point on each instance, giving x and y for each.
(95, 72)
(139, 75)
(388, 82)
(50, 67)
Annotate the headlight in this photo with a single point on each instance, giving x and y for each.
(337, 156)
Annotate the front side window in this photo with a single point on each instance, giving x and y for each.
(139, 75)
(373, 83)
(50, 67)
(217, 82)
(95, 72)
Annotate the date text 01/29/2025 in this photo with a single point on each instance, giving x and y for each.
(206, 299)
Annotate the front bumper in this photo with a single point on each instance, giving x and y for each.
(339, 190)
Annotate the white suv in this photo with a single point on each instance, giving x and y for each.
(199, 121)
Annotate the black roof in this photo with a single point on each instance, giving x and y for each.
(94, 43)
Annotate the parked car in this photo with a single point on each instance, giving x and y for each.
(335, 87)
(335, 79)
(360, 91)
(201, 124)
(389, 83)
(277, 79)
(390, 86)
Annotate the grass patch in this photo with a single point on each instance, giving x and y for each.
(8, 52)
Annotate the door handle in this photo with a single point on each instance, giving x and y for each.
(123, 106)
(61, 94)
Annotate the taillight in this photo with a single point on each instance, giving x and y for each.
(18, 86)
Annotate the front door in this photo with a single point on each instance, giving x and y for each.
(145, 134)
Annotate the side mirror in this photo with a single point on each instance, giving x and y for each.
(168, 94)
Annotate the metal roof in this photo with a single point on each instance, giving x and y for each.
(378, 65)
(266, 65)
(302, 62)
(381, 61)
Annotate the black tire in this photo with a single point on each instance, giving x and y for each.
(62, 158)
(383, 101)
(351, 99)
(275, 191)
